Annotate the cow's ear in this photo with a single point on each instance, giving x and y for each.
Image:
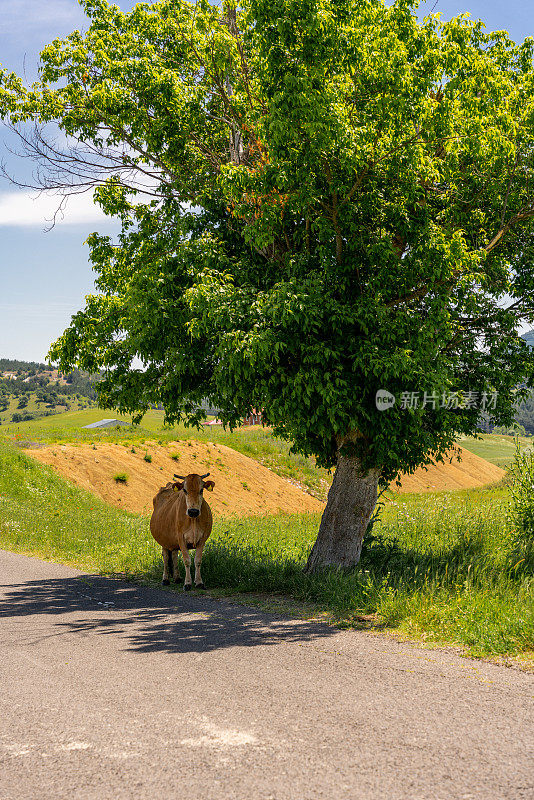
(177, 486)
(209, 485)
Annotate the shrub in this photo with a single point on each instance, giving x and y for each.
(175, 456)
(522, 492)
(510, 430)
(147, 458)
(120, 477)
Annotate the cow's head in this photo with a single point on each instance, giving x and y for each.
(193, 486)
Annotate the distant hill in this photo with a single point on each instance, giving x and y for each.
(12, 365)
(29, 389)
(529, 338)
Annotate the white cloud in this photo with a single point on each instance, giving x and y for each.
(26, 209)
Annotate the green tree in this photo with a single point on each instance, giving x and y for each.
(339, 202)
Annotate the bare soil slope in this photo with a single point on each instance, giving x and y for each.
(242, 486)
(470, 472)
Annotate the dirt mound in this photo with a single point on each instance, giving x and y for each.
(470, 472)
(242, 486)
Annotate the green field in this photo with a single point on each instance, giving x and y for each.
(68, 425)
(497, 448)
(439, 568)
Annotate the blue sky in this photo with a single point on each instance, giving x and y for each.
(45, 276)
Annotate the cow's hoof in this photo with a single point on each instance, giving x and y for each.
(187, 587)
(165, 582)
(200, 586)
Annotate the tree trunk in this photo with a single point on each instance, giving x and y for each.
(351, 501)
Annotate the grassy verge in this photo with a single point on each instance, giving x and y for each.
(438, 567)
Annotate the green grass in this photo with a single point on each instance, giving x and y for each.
(42, 514)
(497, 448)
(440, 567)
(68, 426)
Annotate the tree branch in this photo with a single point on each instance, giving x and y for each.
(526, 213)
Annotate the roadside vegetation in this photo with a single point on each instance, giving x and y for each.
(447, 567)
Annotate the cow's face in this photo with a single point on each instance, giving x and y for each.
(193, 488)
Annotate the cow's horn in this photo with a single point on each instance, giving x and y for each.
(182, 477)
(204, 476)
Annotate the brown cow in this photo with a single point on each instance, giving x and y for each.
(182, 520)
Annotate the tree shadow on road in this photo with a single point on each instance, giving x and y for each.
(150, 620)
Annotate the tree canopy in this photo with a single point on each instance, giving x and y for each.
(319, 199)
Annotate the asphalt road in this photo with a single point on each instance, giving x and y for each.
(109, 690)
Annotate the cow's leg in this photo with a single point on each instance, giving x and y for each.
(187, 561)
(167, 565)
(175, 566)
(198, 560)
